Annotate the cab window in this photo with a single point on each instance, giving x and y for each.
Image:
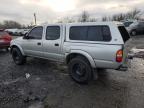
(52, 33)
(36, 33)
(90, 33)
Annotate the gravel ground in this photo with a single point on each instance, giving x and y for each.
(49, 85)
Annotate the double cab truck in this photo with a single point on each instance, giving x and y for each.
(84, 47)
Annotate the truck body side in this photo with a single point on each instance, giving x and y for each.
(100, 54)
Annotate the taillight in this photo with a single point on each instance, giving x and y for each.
(119, 56)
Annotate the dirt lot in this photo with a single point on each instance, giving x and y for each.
(49, 85)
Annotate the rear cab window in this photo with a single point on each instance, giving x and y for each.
(124, 33)
(90, 33)
(52, 33)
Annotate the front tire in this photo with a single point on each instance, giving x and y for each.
(17, 56)
(80, 70)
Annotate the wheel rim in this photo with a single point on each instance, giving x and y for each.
(79, 71)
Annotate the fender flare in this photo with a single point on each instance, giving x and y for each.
(18, 46)
(83, 53)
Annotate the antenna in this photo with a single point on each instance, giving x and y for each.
(35, 20)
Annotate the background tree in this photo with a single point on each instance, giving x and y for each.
(11, 24)
(1, 26)
(8, 24)
(134, 15)
(66, 20)
(92, 20)
(84, 17)
(106, 18)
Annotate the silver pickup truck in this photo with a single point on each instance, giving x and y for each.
(84, 47)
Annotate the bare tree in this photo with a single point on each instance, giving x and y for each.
(66, 20)
(134, 14)
(106, 18)
(92, 20)
(84, 17)
(1, 26)
(11, 24)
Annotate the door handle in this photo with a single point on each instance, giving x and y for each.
(56, 44)
(38, 43)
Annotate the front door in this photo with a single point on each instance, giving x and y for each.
(33, 44)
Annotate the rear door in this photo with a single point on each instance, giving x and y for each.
(52, 42)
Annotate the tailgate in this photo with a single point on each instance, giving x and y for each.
(126, 40)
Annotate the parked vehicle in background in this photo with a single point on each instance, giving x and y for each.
(128, 23)
(84, 47)
(25, 31)
(5, 40)
(11, 31)
(136, 28)
(18, 32)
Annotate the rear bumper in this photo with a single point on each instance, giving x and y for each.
(4, 44)
(113, 65)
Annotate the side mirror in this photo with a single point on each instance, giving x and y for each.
(28, 37)
(25, 36)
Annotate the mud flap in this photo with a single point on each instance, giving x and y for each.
(95, 74)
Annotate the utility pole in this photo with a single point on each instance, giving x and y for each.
(35, 20)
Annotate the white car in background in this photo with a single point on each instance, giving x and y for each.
(25, 31)
(11, 31)
(18, 32)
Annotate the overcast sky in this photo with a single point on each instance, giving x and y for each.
(52, 10)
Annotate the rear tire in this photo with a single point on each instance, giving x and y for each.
(17, 56)
(80, 70)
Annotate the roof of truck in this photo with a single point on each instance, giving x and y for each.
(89, 23)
